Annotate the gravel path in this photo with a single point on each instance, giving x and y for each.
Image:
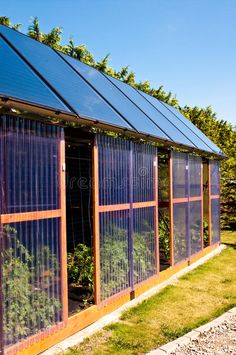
(220, 339)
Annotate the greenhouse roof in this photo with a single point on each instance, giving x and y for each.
(39, 76)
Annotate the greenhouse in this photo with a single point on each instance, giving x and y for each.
(105, 192)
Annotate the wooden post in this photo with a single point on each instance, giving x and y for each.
(96, 233)
(1, 290)
(171, 210)
(156, 213)
(202, 210)
(63, 241)
(209, 203)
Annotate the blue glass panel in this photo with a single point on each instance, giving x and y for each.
(18, 81)
(209, 145)
(116, 98)
(158, 117)
(78, 94)
(167, 122)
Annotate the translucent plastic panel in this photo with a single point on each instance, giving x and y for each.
(180, 174)
(215, 220)
(180, 222)
(215, 177)
(163, 177)
(144, 244)
(195, 169)
(174, 128)
(195, 225)
(143, 172)
(114, 170)
(77, 93)
(29, 165)
(115, 97)
(31, 278)
(193, 130)
(19, 81)
(114, 252)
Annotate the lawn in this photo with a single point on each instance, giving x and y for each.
(197, 298)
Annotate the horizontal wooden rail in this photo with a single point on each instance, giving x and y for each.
(29, 216)
(214, 197)
(111, 208)
(126, 206)
(144, 204)
(187, 199)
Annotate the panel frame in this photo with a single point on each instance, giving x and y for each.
(130, 207)
(186, 200)
(43, 215)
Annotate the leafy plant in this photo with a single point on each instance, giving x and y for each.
(205, 232)
(27, 307)
(80, 266)
(164, 237)
(115, 266)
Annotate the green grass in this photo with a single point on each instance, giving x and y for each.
(198, 297)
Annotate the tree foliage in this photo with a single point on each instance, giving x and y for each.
(219, 131)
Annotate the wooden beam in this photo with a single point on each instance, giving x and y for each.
(29, 216)
(96, 231)
(111, 208)
(215, 197)
(171, 210)
(156, 215)
(63, 240)
(144, 204)
(202, 210)
(209, 203)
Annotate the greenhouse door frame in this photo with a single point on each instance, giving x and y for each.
(40, 215)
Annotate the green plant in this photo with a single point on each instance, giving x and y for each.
(164, 237)
(115, 263)
(80, 266)
(27, 307)
(205, 232)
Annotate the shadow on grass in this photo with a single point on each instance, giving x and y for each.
(231, 245)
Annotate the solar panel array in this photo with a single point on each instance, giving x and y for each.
(34, 73)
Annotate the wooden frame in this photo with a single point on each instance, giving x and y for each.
(63, 241)
(171, 210)
(209, 203)
(156, 214)
(41, 215)
(96, 231)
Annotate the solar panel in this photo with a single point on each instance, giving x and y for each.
(193, 128)
(177, 123)
(158, 117)
(18, 81)
(116, 98)
(75, 91)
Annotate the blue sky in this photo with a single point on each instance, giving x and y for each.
(186, 45)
